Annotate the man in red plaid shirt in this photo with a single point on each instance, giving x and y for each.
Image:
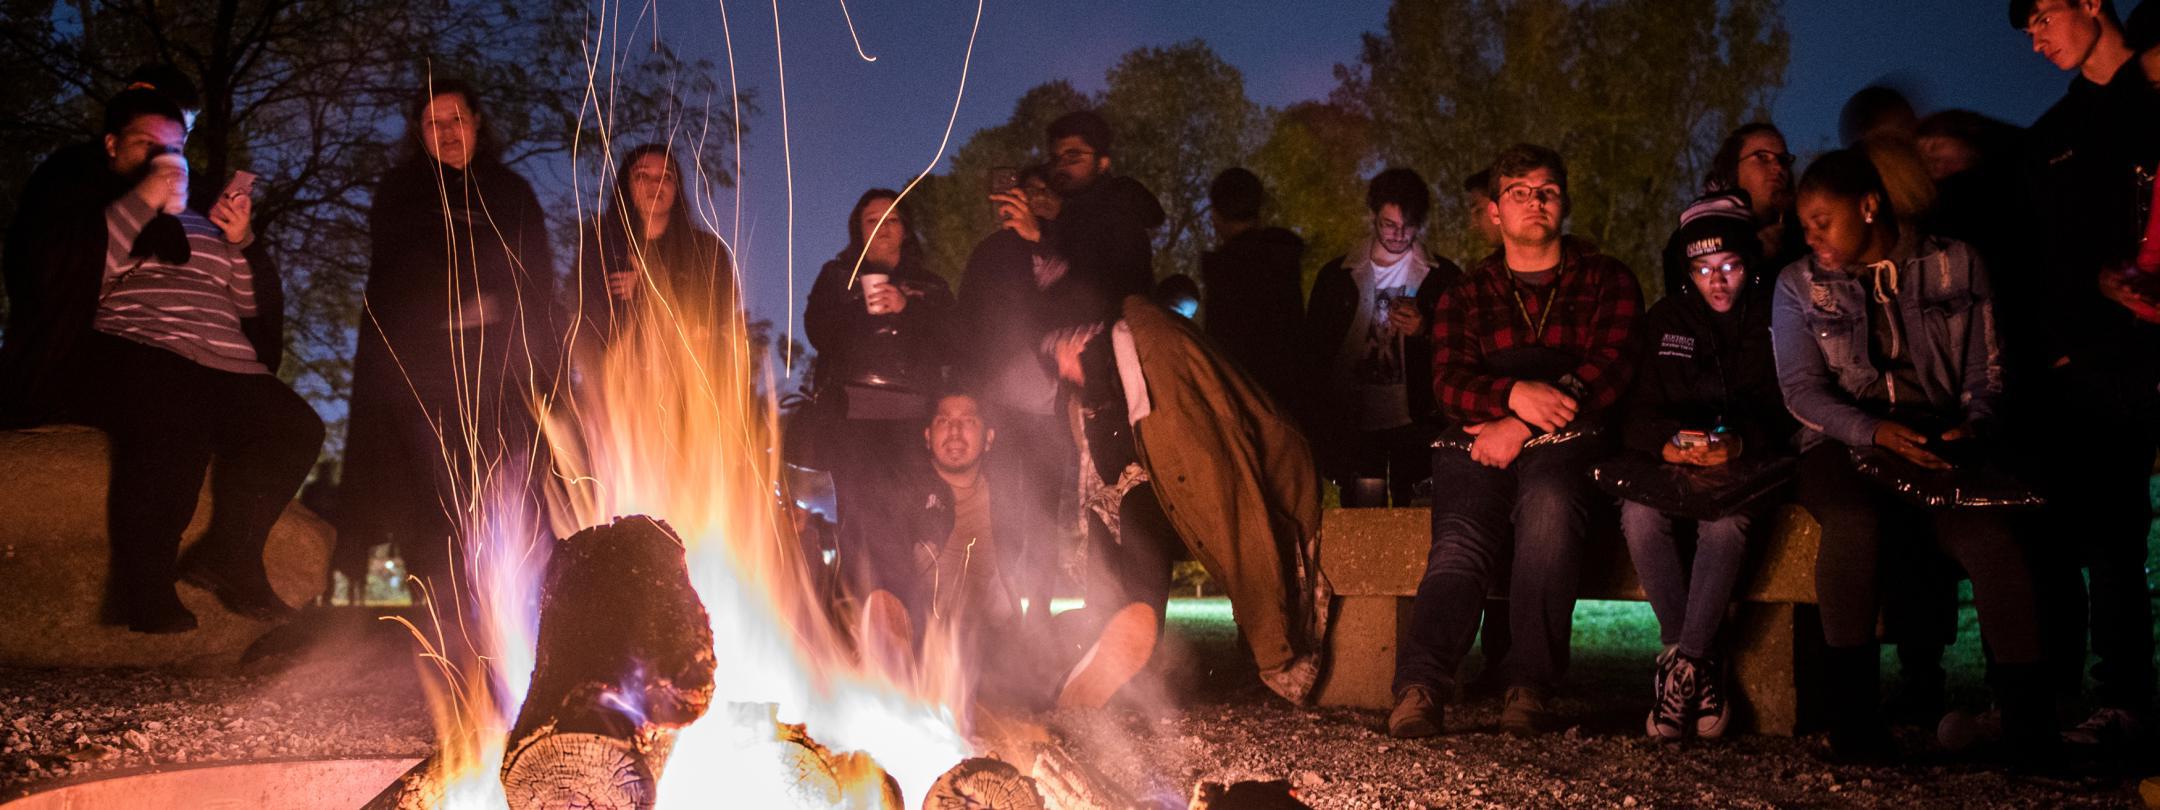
(1530, 351)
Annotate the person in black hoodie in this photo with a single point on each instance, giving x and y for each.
(458, 330)
(1253, 303)
(879, 320)
(1705, 395)
(2092, 364)
(1012, 296)
(1105, 230)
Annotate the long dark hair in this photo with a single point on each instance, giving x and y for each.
(624, 219)
(486, 147)
(911, 250)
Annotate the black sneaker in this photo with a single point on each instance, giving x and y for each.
(1711, 709)
(1668, 712)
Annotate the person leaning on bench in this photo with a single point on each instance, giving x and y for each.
(1530, 350)
(161, 326)
(1706, 424)
(1887, 354)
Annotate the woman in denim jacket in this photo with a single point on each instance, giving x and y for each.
(1886, 338)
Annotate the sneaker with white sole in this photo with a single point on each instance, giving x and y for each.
(1711, 708)
(1668, 719)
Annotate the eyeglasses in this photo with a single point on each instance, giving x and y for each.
(1723, 268)
(1785, 159)
(1074, 156)
(1524, 194)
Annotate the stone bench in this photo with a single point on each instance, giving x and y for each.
(54, 558)
(1375, 557)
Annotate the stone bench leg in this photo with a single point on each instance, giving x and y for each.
(1366, 632)
(1774, 660)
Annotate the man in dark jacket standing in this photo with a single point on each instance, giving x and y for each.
(1369, 344)
(2093, 154)
(1253, 295)
(1105, 230)
(1531, 349)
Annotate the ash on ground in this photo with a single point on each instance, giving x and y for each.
(348, 688)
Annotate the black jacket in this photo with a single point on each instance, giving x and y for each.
(1106, 234)
(700, 281)
(1002, 315)
(54, 265)
(1253, 308)
(1334, 305)
(413, 365)
(1694, 376)
(908, 348)
(2091, 157)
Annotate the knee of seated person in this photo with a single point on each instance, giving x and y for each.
(1551, 501)
(1638, 522)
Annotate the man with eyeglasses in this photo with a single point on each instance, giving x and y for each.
(2093, 364)
(1753, 159)
(1530, 352)
(1368, 315)
(1105, 232)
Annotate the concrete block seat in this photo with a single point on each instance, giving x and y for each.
(1374, 558)
(54, 560)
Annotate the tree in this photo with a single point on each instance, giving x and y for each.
(1314, 162)
(312, 96)
(1183, 117)
(1634, 93)
(953, 208)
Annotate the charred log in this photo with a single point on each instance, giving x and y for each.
(421, 787)
(624, 661)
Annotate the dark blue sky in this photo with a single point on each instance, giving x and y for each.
(856, 124)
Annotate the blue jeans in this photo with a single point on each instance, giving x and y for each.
(1525, 523)
(1689, 597)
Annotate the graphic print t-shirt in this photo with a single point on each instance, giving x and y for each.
(1376, 368)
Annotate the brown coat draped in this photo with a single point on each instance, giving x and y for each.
(1236, 478)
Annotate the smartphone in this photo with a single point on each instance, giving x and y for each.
(242, 184)
(1003, 179)
(1690, 439)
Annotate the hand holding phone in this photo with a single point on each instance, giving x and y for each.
(234, 208)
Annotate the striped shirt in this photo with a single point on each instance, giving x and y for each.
(192, 309)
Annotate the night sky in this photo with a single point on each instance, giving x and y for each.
(857, 124)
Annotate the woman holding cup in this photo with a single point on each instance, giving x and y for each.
(878, 318)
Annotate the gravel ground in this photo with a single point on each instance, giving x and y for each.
(351, 690)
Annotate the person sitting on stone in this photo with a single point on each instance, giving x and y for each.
(1705, 396)
(173, 330)
(1531, 349)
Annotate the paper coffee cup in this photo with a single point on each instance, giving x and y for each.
(872, 282)
(178, 201)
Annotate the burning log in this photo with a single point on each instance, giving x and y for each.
(624, 661)
(1068, 785)
(817, 777)
(420, 788)
(982, 783)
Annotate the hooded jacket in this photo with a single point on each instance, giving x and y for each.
(1819, 326)
(1694, 375)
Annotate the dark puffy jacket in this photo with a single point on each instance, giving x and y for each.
(1253, 309)
(1694, 376)
(907, 348)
